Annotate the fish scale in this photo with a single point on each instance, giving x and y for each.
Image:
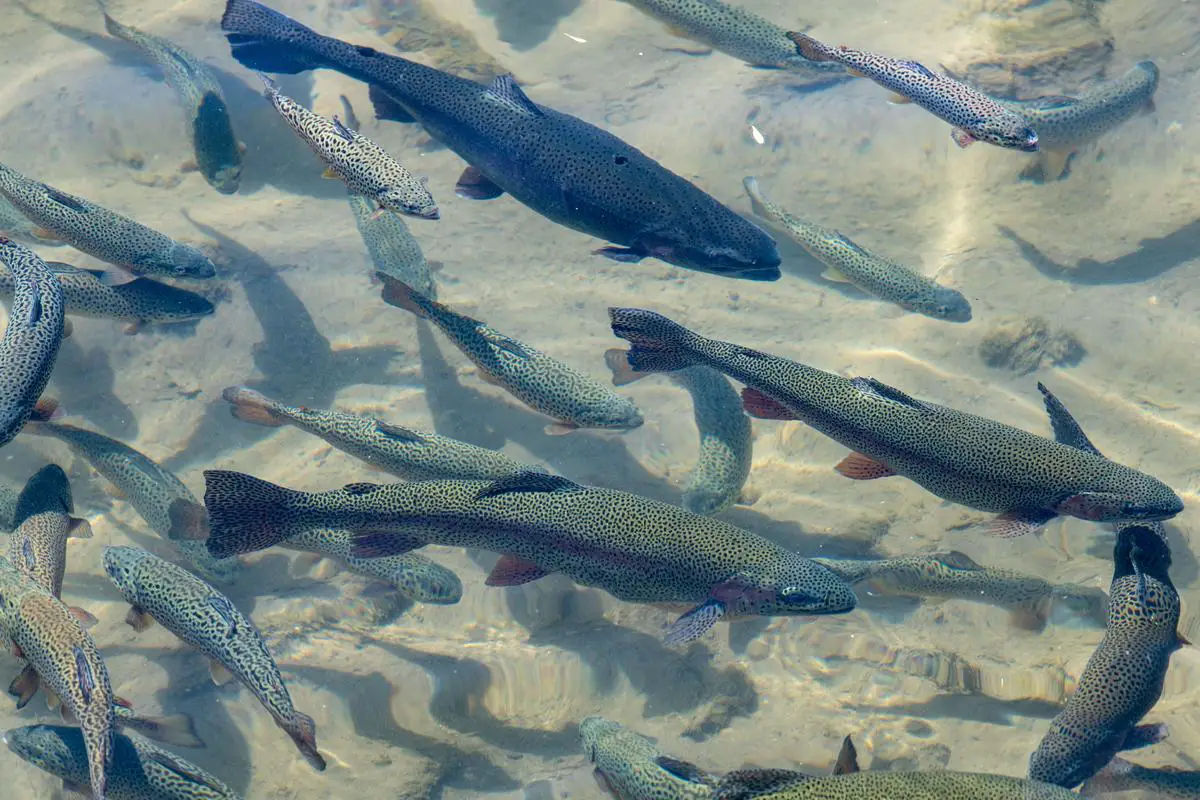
(630, 767)
(932, 785)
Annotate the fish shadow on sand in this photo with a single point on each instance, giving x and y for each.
(83, 381)
(968, 707)
(1152, 258)
(526, 25)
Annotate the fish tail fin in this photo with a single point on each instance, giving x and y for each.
(757, 198)
(246, 514)
(251, 406)
(176, 729)
(618, 361)
(399, 294)
(810, 48)
(189, 521)
(304, 733)
(262, 39)
(659, 344)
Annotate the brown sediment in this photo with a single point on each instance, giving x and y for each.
(415, 26)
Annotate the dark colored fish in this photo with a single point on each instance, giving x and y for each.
(38, 547)
(630, 767)
(958, 456)
(568, 171)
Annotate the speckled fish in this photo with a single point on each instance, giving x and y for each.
(570, 172)
(99, 232)
(726, 441)
(955, 575)
(973, 115)
(735, 31)
(845, 261)
(404, 452)
(412, 575)
(1123, 679)
(14, 225)
(1064, 124)
(545, 384)
(9, 493)
(636, 549)
(1164, 783)
(959, 457)
(204, 618)
(218, 152)
(31, 338)
(158, 496)
(365, 167)
(630, 767)
(38, 547)
(141, 301)
(139, 770)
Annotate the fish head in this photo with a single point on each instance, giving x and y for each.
(185, 261)
(409, 202)
(942, 303)
(1009, 130)
(227, 179)
(1154, 501)
(731, 247)
(619, 416)
(592, 730)
(56, 749)
(121, 563)
(795, 587)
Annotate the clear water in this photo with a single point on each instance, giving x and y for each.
(483, 698)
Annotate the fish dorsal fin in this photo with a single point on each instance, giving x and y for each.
(183, 63)
(1049, 102)
(183, 769)
(957, 560)
(342, 131)
(684, 770)
(919, 68)
(62, 268)
(746, 784)
(841, 239)
(360, 488)
(1066, 430)
(397, 432)
(847, 760)
(528, 481)
(883, 391)
(64, 199)
(506, 90)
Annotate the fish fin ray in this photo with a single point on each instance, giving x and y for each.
(387, 107)
(505, 89)
(474, 185)
(760, 405)
(24, 686)
(219, 673)
(694, 623)
(1017, 523)
(513, 570)
(138, 619)
(858, 467)
(847, 758)
(617, 361)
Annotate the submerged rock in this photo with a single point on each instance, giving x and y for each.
(1026, 344)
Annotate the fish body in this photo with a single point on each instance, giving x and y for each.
(932, 785)
(38, 547)
(413, 575)
(365, 167)
(44, 633)
(204, 618)
(31, 338)
(960, 457)
(393, 249)
(1165, 783)
(630, 767)
(849, 262)
(218, 152)
(99, 232)
(139, 770)
(406, 453)
(565, 169)
(544, 383)
(9, 494)
(14, 225)
(974, 115)
(141, 301)
(726, 441)
(161, 499)
(636, 549)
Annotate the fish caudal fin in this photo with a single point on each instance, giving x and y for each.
(189, 521)
(399, 294)
(304, 733)
(245, 513)
(810, 48)
(659, 344)
(177, 729)
(251, 406)
(265, 40)
(618, 361)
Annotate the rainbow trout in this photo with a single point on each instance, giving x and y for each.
(960, 457)
(1064, 124)
(406, 453)
(31, 338)
(139, 770)
(545, 384)
(9, 494)
(847, 262)
(140, 302)
(218, 152)
(630, 767)
(972, 114)
(570, 172)
(99, 232)
(1165, 783)
(160, 498)
(201, 616)
(38, 547)
(636, 549)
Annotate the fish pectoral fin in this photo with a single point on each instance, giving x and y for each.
(962, 138)
(763, 406)
(79, 528)
(189, 166)
(386, 107)
(45, 234)
(1017, 523)
(854, 73)
(858, 467)
(68, 328)
(694, 624)
(897, 99)
(1145, 735)
(219, 673)
(513, 570)
(24, 686)
(504, 89)
(83, 617)
(138, 619)
(330, 174)
(624, 255)
(189, 521)
(847, 759)
(560, 428)
(474, 185)
(748, 496)
(835, 275)
(618, 363)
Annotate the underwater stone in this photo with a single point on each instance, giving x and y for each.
(1026, 344)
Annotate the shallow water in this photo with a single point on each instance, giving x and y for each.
(482, 698)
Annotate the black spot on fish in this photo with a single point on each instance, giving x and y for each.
(83, 673)
(64, 200)
(223, 607)
(366, 52)
(620, 161)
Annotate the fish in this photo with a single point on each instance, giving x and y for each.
(559, 166)
(735, 31)
(726, 439)
(38, 547)
(941, 784)
(960, 457)
(973, 115)
(414, 576)
(628, 766)
(545, 384)
(160, 498)
(210, 129)
(139, 302)
(14, 225)
(1123, 679)
(31, 340)
(634, 548)
(9, 494)
(1065, 124)
(848, 262)
(953, 574)
(404, 452)
(139, 769)
(365, 167)
(105, 234)
(1164, 783)
(159, 591)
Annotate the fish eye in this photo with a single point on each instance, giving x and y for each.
(794, 595)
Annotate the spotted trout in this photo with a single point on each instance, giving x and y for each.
(38, 547)
(99, 232)
(636, 549)
(157, 590)
(1163, 783)
(31, 338)
(960, 457)
(565, 169)
(404, 452)
(206, 114)
(973, 115)
(574, 400)
(847, 262)
(629, 767)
